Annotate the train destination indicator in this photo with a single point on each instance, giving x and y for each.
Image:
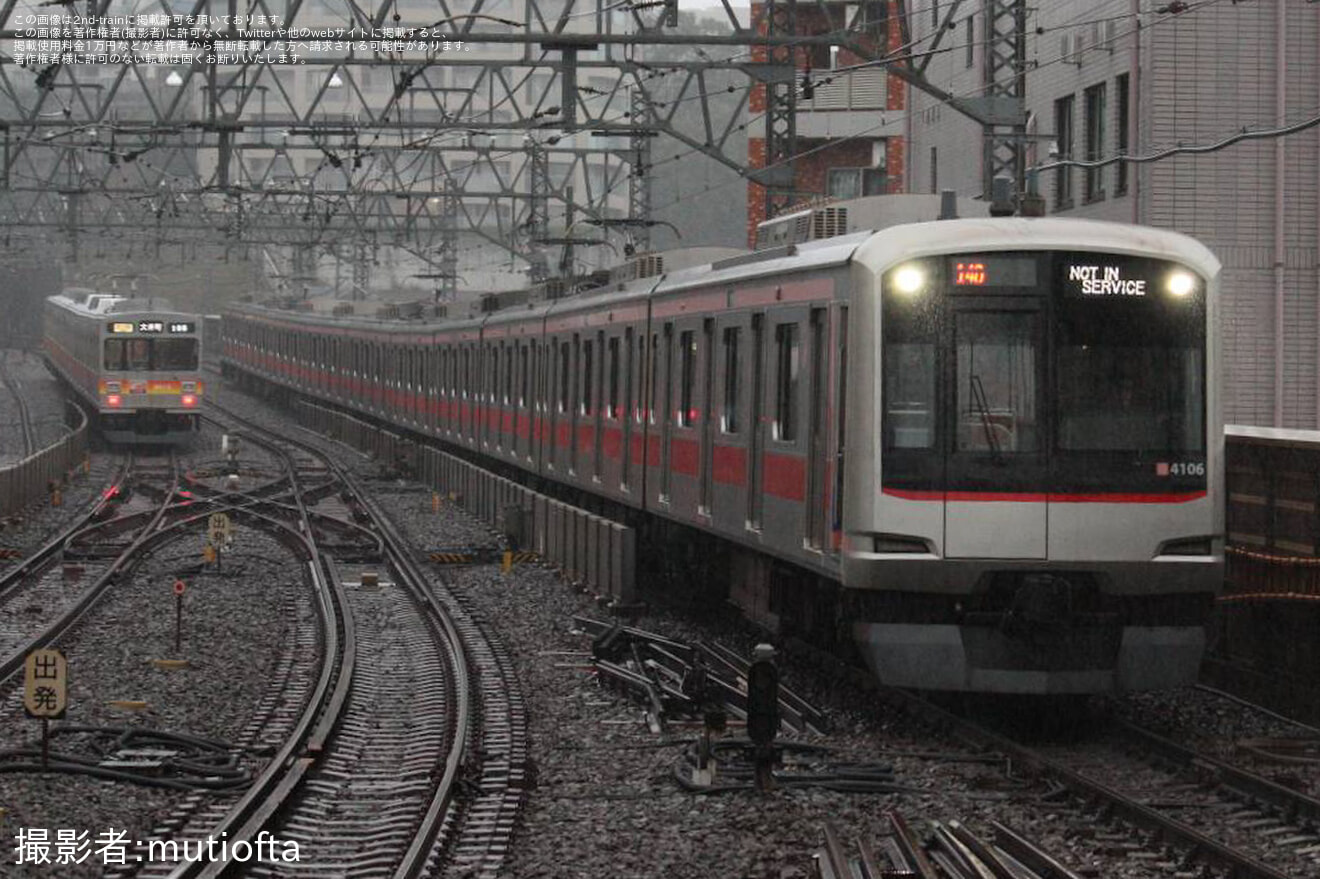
(151, 327)
(1103, 280)
(992, 270)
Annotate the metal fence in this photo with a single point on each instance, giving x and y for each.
(34, 477)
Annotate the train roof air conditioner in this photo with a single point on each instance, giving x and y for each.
(873, 212)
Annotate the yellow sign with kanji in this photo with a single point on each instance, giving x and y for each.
(45, 684)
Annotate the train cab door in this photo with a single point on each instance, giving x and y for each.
(996, 467)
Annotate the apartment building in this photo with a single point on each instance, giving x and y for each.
(1138, 77)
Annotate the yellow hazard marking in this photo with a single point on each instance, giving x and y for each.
(128, 704)
(451, 558)
(170, 664)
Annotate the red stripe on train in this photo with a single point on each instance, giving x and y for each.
(1119, 497)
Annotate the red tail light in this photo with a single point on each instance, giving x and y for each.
(189, 400)
(112, 400)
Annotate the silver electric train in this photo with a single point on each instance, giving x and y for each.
(986, 451)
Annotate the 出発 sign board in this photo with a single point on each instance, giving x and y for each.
(45, 684)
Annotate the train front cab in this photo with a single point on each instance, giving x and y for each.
(149, 387)
(1045, 512)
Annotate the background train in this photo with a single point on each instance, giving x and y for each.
(135, 363)
(988, 450)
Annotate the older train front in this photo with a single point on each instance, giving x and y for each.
(1035, 418)
(133, 362)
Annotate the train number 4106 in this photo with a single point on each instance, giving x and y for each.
(1180, 468)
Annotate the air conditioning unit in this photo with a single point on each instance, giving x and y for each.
(644, 265)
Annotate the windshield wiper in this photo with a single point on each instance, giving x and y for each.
(983, 407)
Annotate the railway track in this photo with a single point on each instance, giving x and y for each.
(26, 428)
(40, 600)
(1147, 801)
(408, 698)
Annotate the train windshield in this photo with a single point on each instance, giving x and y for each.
(1130, 365)
(151, 355)
(1069, 365)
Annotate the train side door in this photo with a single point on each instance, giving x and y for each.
(818, 459)
(730, 421)
(996, 464)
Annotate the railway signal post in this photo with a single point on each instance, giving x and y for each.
(179, 589)
(763, 712)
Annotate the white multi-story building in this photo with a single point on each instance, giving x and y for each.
(1106, 77)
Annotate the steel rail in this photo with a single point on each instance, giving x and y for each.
(37, 561)
(147, 537)
(287, 768)
(1240, 865)
(399, 556)
(1294, 803)
(24, 416)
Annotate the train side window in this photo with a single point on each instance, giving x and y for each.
(565, 374)
(508, 374)
(612, 407)
(687, 344)
(788, 357)
(732, 388)
(655, 375)
(524, 375)
(639, 376)
(587, 375)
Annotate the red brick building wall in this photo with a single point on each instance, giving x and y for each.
(816, 157)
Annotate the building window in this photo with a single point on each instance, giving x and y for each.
(1063, 132)
(855, 182)
(1095, 141)
(971, 40)
(1121, 143)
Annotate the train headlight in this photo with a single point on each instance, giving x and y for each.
(909, 280)
(189, 400)
(1180, 284)
(113, 400)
